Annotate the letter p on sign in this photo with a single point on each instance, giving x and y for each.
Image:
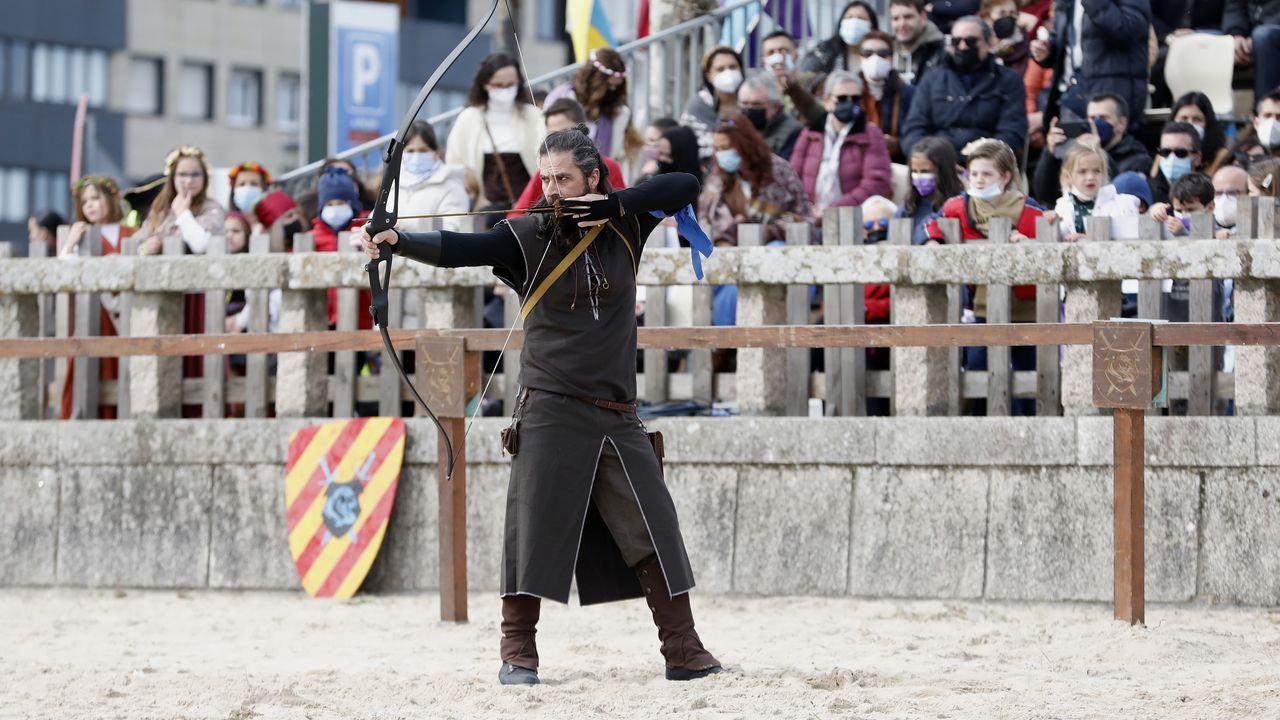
(366, 67)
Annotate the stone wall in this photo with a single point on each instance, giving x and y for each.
(997, 508)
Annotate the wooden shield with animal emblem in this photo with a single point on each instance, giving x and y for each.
(340, 485)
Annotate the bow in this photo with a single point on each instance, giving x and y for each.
(384, 217)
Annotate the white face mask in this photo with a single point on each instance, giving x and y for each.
(502, 97)
(876, 68)
(727, 81)
(246, 196)
(337, 216)
(1269, 133)
(1199, 129)
(990, 192)
(418, 163)
(1224, 210)
(853, 29)
(780, 58)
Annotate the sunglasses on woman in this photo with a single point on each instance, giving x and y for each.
(885, 53)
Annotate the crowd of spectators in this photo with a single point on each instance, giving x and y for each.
(961, 109)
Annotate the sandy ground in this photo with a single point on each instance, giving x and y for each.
(106, 654)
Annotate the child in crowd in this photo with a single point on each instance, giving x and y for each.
(935, 177)
(1190, 194)
(1084, 173)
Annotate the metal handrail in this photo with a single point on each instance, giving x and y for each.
(626, 50)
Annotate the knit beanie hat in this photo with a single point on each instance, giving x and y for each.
(272, 206)
(1131, 183)
(336, 184)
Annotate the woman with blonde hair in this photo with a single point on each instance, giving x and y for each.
(600, 86)
(183, 209)
(1083, 176)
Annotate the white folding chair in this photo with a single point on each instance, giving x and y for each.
(1202, 63)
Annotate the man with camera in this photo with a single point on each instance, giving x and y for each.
(1106, 125)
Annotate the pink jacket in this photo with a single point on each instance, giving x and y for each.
(864, 164)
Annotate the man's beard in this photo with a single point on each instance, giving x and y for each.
(562, 232)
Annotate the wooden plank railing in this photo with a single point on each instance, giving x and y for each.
(774, 286)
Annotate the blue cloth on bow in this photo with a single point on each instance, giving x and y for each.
(700, 245)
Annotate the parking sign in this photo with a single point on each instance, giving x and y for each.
(365, 43)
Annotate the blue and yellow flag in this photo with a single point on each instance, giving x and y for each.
(588, 27)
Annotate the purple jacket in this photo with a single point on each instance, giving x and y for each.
(864, 165)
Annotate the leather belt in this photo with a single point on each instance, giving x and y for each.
(607, 404)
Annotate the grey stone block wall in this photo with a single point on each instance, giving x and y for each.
(999, 508)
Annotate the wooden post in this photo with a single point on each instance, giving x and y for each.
(302, 383)
(1048, 375)
(345, 366)
(215, 320)
(1126, 376)
(845, 368)
(1201, 375)
(950, 228)
(656, 388)
(441, 376)
(797, 359)
(255, 364)
(999, 311)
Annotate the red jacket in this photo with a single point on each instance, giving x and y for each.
(327, 241)
(958, 207)
(533, 191)
(864, 164)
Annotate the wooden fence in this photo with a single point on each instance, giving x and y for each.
(47, 297)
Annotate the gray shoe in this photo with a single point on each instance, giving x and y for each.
(516, 675)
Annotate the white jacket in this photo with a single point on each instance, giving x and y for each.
(468, 142)
(442, 191)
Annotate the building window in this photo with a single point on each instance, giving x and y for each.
(14, 205)
(195, 91)
(19, 69)
(50, 190)
(146, 86)
(97, 77)
(244, 100)
(289, 102)
(289, 4)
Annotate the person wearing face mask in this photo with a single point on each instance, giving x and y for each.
(1108, 117)
(652, 136)
(340, 208)
(1266, 122)
(1196, 109)
(495, 137)
(1178, 155)
(847, 161)
(1012, 46)
(969, 96)
(781, 61)
(887, 100)
(840, 51)
(600, 87)
(993, 193)
(762, 105)
(249, 182)
(279, 214)
(722, 74)
(935, 177)
(1097, 46)
(427, 185)
(1230, 183)
(749, 184)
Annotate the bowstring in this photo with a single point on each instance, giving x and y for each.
(515, 35)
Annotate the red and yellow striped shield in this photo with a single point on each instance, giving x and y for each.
(340, 484)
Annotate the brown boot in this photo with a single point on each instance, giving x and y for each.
(681, 647)
(519, 651)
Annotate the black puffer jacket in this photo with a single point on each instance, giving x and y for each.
(1114, 43)
(994, 107)
(1241, 16)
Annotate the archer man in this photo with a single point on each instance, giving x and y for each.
(586, 496)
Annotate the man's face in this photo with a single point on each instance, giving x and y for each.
(558, 122)
(1106, 110)
(841, 91)
(906, 21)
(753, 97)
(1267, 110)
(561, 177)
(969, 34)
(779, 44)
(1180, 141)
(1232, 181)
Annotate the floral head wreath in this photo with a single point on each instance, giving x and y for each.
(250, 167)
(171, 160)
(105, 183)
(594, 57)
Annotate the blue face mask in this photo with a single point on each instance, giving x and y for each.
(1175, 167)
(988, 193)
(728, 160)
(418, 163)
(1106, 131)
(246, 196)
